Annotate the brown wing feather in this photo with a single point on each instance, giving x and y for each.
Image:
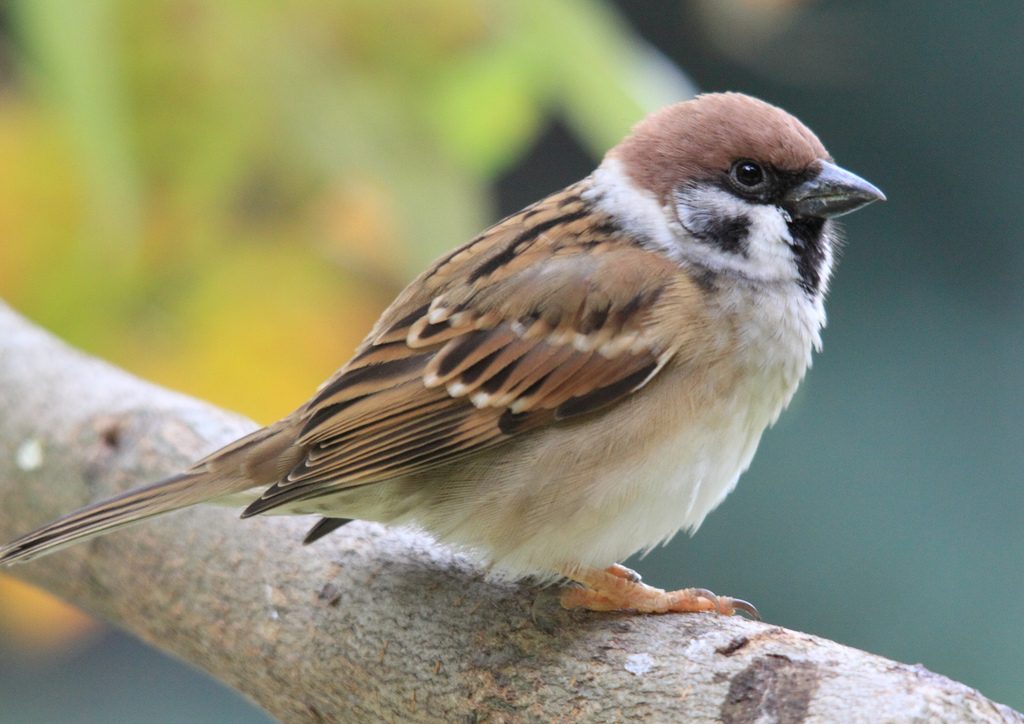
(556, 322)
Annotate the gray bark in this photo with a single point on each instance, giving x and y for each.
(378, 624)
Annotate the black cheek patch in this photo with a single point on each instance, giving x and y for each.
(728, 233)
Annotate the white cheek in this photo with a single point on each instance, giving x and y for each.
(768, 241)
(636, 209)
(766, 254)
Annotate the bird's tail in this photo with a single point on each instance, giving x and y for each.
(255, 460)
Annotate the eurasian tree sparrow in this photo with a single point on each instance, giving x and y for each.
(578, 382)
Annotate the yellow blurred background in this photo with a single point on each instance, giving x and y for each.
(221, 197)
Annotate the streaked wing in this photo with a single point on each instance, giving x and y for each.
(552, 324)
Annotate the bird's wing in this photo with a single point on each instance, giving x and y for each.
(518, 329)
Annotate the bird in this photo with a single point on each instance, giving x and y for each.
(577, 383)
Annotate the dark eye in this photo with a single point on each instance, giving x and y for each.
(747, 174)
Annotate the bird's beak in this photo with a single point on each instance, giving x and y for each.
(831, 192)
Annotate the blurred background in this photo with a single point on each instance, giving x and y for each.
(222, 196)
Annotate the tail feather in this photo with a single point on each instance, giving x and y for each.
(253, 461)
(131, 507)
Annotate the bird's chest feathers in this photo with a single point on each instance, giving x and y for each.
(716, 425)
(774, 332)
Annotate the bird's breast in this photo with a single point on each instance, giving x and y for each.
(595, 490)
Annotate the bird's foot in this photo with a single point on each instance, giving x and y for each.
(619, 570)
(618, 588)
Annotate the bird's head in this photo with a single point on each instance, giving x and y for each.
(744, 189)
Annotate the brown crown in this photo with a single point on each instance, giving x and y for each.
(702, 137)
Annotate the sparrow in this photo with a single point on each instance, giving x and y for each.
(577, 383)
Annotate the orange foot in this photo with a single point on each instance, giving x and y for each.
(617, 588)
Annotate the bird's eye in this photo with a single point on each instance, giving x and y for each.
(747, 174)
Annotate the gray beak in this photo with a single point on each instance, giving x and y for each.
(832, 192)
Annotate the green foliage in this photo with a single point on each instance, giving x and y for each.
(181, 170)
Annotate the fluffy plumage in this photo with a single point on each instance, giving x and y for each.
(578, 382)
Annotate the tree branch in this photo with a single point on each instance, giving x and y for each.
(373, 623)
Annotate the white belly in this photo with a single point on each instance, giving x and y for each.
(634, 502)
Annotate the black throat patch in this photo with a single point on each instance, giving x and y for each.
(809, 249)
